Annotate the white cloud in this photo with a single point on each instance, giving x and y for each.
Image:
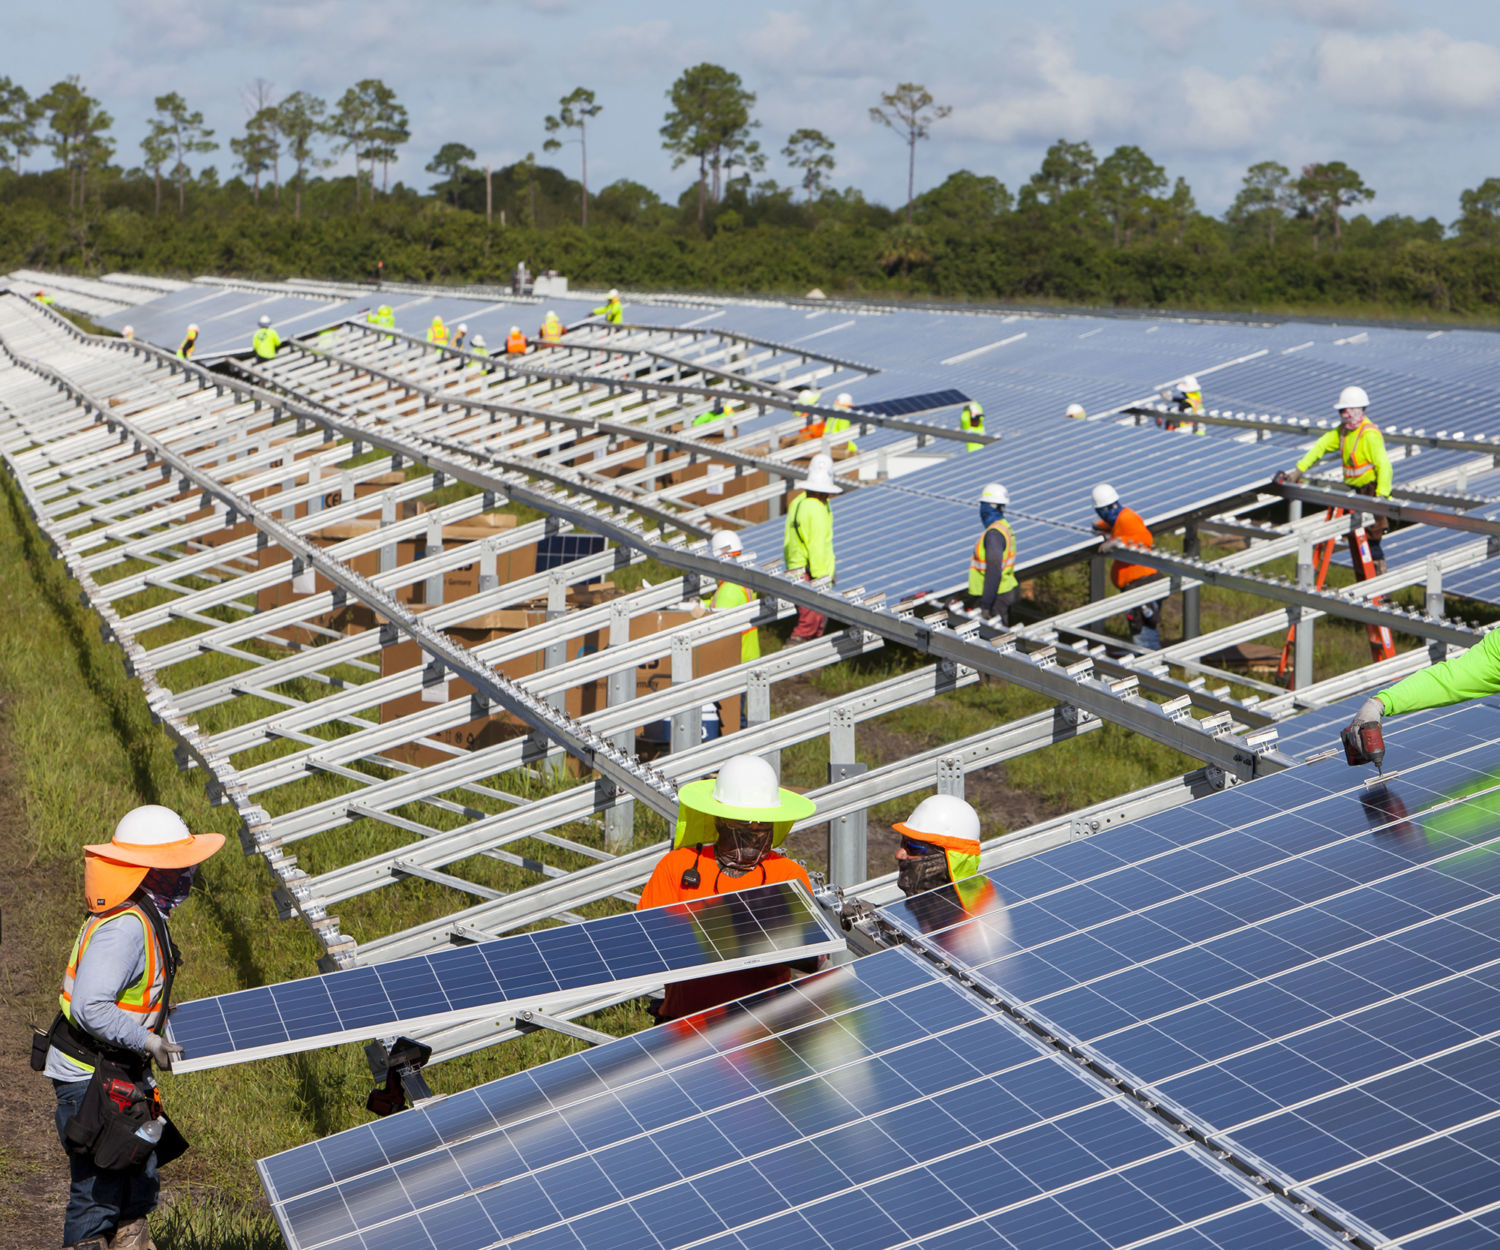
(1331, 14)
(1218, 114)
(1173, 27)
(1427, 74)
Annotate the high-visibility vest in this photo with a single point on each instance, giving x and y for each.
(437, 332)
(552, 331)
(185, 352)
(479, 351)
(267, 343)
(837, 425)
(1007, 568)
(730, 595)
(712, 415)
(1359, 468)
(143, 998)
(971, 420)
(614, 312)
(515, 344)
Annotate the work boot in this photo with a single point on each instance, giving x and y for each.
(132, 1236)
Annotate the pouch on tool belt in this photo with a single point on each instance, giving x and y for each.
(115, 1113)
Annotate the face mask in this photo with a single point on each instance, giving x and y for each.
(1107, 515)
(989, 513)
(168, 887)
(1351, 417)
(741, 845)
(919, 874)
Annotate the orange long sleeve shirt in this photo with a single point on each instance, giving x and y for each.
(686, 998)
(1128, 528)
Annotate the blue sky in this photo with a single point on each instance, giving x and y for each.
(1408, 93)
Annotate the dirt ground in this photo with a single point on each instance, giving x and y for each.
(33, 1169)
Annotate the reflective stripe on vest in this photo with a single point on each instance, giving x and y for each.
(437, 334)
(1007, 569)
(142, 998)
(551, 331)
(1350, 449)
(515, 344)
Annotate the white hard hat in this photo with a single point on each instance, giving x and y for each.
(1104, 495)
(943, 815)
(747, 781)
(551, 316)
(725, 543)
(1353, 397)
(463, 327)
(128, 332)
(479, 340)
(1190, 384)
(193, 329)
(515, 329)
(820, 476)
(845, 400)
(994, 493)
(1076, 410)
(807, 395)
(613, 294)
(264, 321)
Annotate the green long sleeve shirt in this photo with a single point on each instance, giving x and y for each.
(809, 537)
(1368, 443)
(1471, 675)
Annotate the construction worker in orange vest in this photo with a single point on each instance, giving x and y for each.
(115, 997)
(1367, 466)
(992, 568)
(515, 342)
(1124, 525)
(726, 833)
(552, 328)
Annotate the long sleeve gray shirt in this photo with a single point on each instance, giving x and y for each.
(114, 960)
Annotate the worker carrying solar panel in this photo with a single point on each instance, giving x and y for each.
(437, 332)
(266, 341)
(1187, 395)
(190, 341)
(1123, 524)
(971, 421)
(611, 310)
(115, 996)
(992, 567)
(1367, 467)
(552, 328)
(807, 545)
(726, 833)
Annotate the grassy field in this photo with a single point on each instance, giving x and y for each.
(83, 749)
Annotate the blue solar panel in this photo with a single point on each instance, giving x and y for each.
(916, 403)
(877, 1104)
(558, 549)
(768, 924)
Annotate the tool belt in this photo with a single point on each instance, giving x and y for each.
(83, 1047)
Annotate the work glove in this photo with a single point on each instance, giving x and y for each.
(162, 1051)
(1370, 712)
(1294, 476)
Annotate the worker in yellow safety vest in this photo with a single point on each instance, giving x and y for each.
(725, 545)
(437, 332)
(1188, 397)
(1367, 467)
(552, 329)
(478, 347)
(266, 341)
(721, 408)
(185, 350)
(1076, 412)
(116, 993)
(838, 425)
(992, 568)
(971, 421)
(43, 298)
(807, 545)
(611, 310)
(384, 316)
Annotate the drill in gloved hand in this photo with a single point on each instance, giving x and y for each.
(1363, 741)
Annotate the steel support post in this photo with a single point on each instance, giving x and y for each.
(1098, 588)
(687, 725)
(1191, 615)
(848, 835)
(1303, 658)
(950, 776)
(433, 590)
(758, 710)
(619, 820)
(388, 552)
(1436, 649)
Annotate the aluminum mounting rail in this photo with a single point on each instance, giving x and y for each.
(1394, 509)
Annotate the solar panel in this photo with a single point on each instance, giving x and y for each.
(559, 549)
(876, 1104)
(1304, 968)
(775, 923)
(909, 404)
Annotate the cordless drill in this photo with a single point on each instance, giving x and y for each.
(1364, 744)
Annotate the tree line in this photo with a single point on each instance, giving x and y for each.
(1087, 227)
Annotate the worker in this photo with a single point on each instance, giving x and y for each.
(992, 568)
(43, 298)
(612, 310)
(185, 351)
(1472, 674)
(478, 347)
(128, 334)
(266, 341)
(1076, 412)
(384, 316)
(460, 335)
(115, 997)
(807, 548)
(939, 844)
(552, 329)
(812, 424)
(725, 545)
(437, 332)
(1124, 525)
(724, 841)
(838, 425)
(1187, 397)
(1367, 467)
(717, 411)
(971, 421)
(515, 342)
(937, 868)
